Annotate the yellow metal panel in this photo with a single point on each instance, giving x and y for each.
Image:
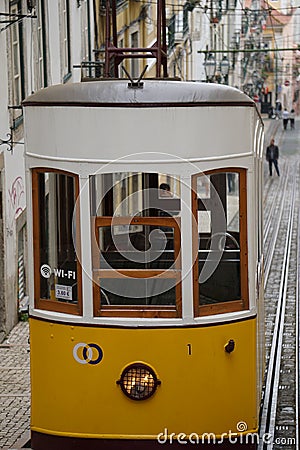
(207, 391)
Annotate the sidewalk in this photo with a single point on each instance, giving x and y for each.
(14, 386)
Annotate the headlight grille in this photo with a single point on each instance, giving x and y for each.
(138, 381)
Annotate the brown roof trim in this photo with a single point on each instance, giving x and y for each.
(138, 105)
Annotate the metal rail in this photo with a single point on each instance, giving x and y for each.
(271, 132)
(269, 403)
(270, 213)
(277, 219)
(297, 380)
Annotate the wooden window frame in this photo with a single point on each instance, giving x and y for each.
(48, 304)
(234, 305)
(164, 311)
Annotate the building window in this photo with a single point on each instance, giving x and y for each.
(220, 269)
(57, 271)
(41, 60)
(136, 245)
(185, 20)
(171, 32)
(18, 92)
(85, 43)
(135, 61)
(65, 40)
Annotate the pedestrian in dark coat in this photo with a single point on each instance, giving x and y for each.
(285, 118)
(272, 156)
(292, 118)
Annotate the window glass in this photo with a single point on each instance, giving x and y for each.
(136, 247)
(135, 194)
(85, 50)
(65, 37)
(17, 66)
(40, 61)
(57, 259)
(219, 251)
(136, 250)
(16, 57)
(134, 61)
(151, 292)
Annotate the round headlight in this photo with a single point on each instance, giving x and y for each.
(138, 381)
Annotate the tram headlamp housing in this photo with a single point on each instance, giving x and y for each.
(138, 381)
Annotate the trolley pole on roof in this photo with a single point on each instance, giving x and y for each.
(115, 55)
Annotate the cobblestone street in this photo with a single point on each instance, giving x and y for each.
(14, 386)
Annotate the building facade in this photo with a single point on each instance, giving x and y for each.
(42, 42)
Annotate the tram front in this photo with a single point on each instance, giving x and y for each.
(145, 289)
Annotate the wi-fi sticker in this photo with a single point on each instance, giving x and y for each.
(45, 271)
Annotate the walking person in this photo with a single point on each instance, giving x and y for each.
(292, 119)
(272, 156)
(278, 109)
(285, 118)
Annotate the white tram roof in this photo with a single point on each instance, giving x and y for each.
(117, 92)
(211, 122)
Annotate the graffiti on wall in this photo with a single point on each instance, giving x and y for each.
(16, 198)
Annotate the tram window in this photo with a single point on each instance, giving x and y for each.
(134, 194)
(137, 292)
(57, 274)
(220, 212)
(136, 247)
(136, 250)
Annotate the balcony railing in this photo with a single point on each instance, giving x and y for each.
(91, 70)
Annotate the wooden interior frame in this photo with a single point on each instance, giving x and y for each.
(98, 273)
(48, 304)
(228, 306)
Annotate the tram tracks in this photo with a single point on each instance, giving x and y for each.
(271, 131)
(297, 379)
(274, 195)
(273, 222)
(278, 417)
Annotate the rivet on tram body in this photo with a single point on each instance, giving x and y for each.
(229, 347)
(52, 336)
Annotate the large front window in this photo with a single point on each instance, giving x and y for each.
(56, 241)
(220, 269)
(136, 244)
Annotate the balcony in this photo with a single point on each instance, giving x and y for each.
(91, 70)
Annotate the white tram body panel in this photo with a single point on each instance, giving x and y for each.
(183, 130)
(178, 130)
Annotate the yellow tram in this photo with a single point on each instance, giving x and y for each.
(145, 231)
